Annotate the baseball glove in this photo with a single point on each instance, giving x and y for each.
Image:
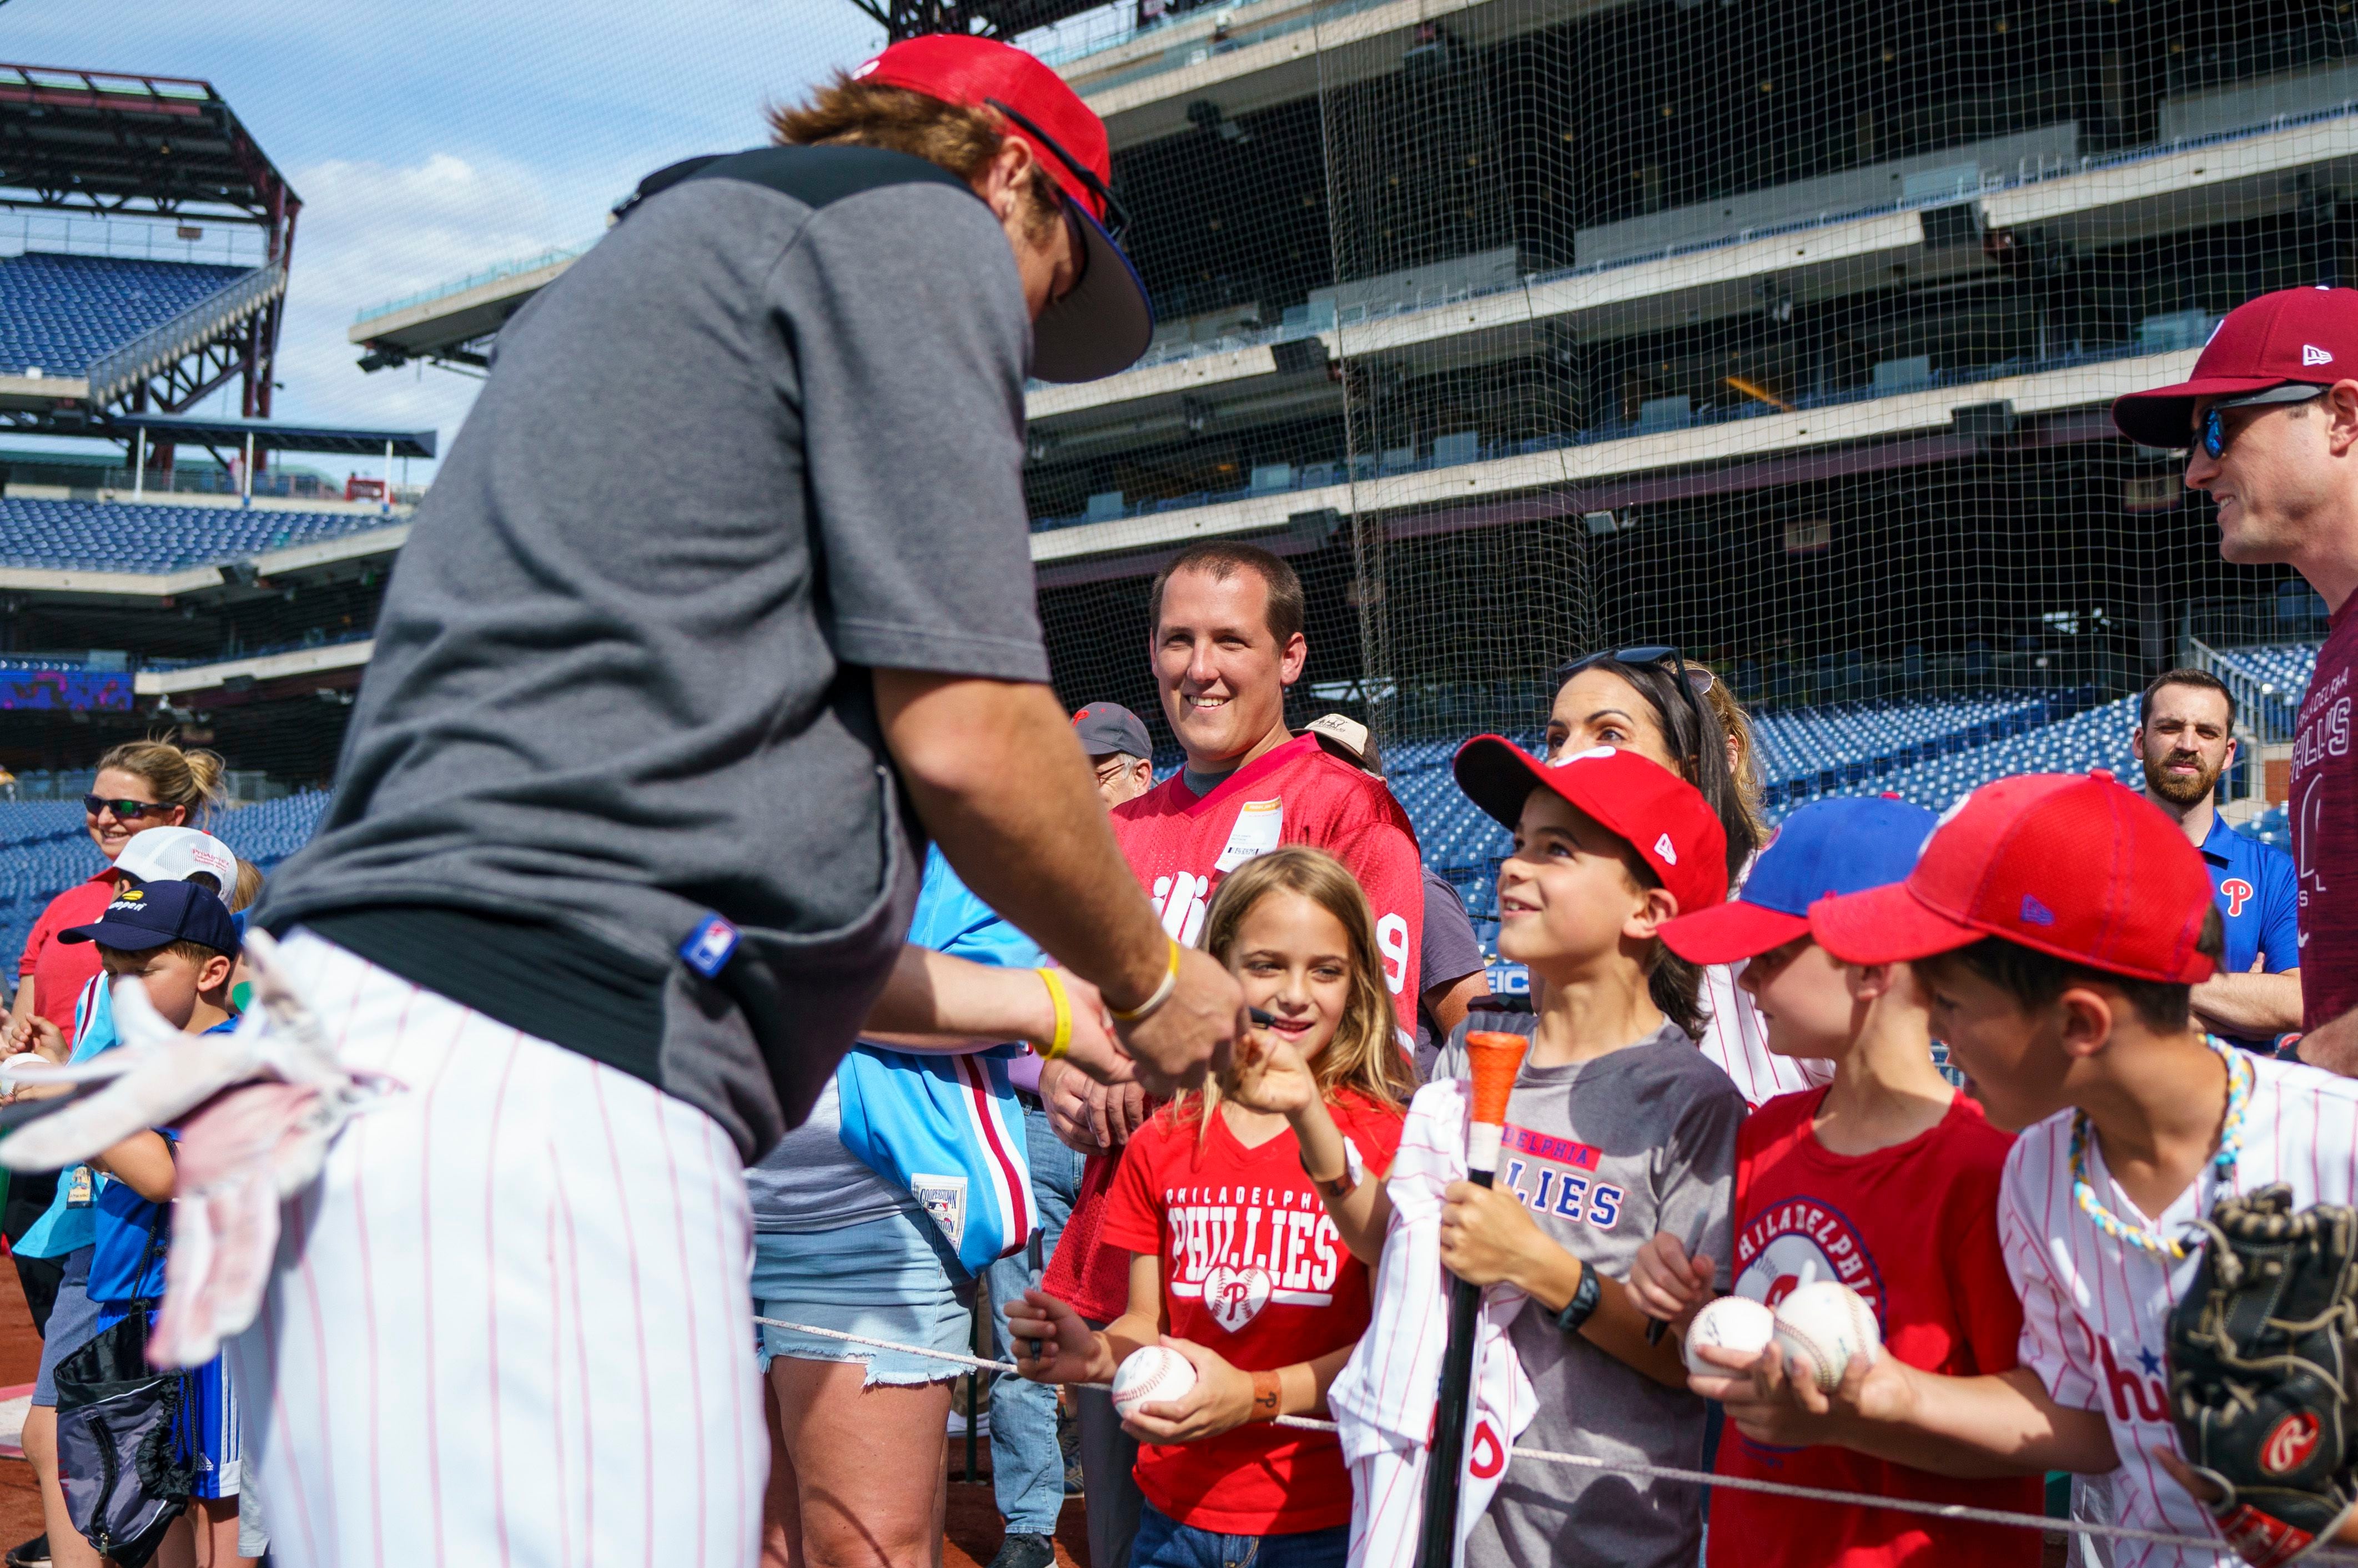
(2260, 1360)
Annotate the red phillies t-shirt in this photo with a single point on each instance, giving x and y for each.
(1252, 1268)
(2325, 828)
(59, 970)
(1913, 1228)
(1180, 845)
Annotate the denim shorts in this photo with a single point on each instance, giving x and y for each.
(72, 1321)
(893, 1279)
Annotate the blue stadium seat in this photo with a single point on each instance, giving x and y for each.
(43, 849)
(58, 312)
(108, 535)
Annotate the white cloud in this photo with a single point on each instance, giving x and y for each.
(371, 233)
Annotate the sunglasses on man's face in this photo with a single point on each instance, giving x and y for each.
(2211, 433)
(126, 810)
(1116, 223)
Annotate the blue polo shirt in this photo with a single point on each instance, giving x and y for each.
(2259, 899)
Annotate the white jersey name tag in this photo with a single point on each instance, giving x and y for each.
(1258, 823)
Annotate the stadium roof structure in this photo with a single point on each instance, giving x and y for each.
(992, 18)
(274, 438)
(122, 145)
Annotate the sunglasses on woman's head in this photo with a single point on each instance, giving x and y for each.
(2211, 434)
(1697, 682)
(124, 809)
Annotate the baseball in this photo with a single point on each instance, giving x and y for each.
(1148, 1377)
(1829, 1322)
(1736, 1323)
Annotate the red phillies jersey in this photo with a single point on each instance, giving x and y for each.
(2325, 828)
(1252, 1269)
(1180, 844)
(1913, 1228)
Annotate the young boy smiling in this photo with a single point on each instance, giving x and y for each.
(2058, 924)
(1618, 1128)
(1886, 1180)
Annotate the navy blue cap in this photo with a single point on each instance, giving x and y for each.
(154, 913)
(1828, 847)
(1107, 728)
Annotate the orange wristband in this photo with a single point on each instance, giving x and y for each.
(1268, 1397)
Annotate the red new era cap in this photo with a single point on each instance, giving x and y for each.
(1104, 323)
(1662, 815)
(2071, 864)
(2295, 334)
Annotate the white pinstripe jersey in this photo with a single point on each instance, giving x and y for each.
(1737, 1040)
(2093, 1310)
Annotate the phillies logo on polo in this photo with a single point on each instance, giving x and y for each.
(1801, 1239)
(2237, 893)
(2289, 1443)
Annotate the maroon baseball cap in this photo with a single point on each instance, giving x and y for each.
(2072, 864)
(1664, 818)
(2308, 335)
(1104, 323)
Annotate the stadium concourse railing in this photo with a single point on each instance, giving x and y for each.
(493, 273)
(120, 369)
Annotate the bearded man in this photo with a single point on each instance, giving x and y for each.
(2186, 737)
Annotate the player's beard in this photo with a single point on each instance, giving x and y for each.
(2179, 790)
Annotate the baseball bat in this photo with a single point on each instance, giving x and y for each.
(1496, 1058)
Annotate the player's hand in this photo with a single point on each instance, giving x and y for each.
(1053, 1345)
(1093, 1050)
(1665, 1282)
(1487, 1236)
(1191, 1033)
(1266, 1073)
(1220, 1401)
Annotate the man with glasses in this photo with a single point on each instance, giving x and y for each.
(2270, 419)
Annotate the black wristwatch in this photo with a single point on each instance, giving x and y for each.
(1584, 1297)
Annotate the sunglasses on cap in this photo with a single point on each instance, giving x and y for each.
(1117, 217)
(2211, 435)
(127, 810)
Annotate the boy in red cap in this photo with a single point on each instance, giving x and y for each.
(1886, 1180)
(2270, 421)
(1619, 1129)
(2058, 924)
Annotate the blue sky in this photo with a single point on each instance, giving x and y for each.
(437, 136)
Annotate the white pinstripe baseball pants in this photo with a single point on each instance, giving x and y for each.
(508, 1324)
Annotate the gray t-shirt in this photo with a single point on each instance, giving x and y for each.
(1450, 951)
(752, 446)
(811, 1182)
(1604, 1154)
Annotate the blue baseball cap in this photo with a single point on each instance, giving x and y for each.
(155, 914)
(1828, 847)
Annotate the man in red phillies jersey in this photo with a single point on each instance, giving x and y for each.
(2270, 419)
(1227, 642)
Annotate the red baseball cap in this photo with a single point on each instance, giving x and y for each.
(2308, 335)
(1104, 323)
(1664, 818)
(2071, 864)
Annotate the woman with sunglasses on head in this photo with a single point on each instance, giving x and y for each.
(1653, 701)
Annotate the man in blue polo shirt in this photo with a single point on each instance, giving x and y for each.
(2185, 739)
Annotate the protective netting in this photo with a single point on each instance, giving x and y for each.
(1782, 332)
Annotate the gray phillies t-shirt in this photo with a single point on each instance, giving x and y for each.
(1604, 1154)
(749, 448)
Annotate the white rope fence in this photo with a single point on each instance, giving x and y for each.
(1956, 1512)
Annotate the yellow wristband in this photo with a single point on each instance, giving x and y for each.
(1062, 1002)
(1145, 1010)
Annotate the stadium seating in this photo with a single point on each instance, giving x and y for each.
(58, 313)
(43, 849)
(123, 537)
